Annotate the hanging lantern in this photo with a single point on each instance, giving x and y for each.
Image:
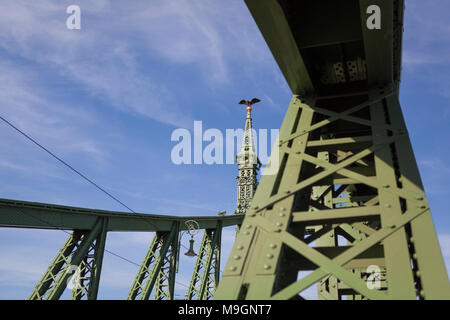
(191, 252)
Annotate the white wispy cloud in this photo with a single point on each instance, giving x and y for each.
(25, 103)
(103, 55)
(426, 33)
(92, 57)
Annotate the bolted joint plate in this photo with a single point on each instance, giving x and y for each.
(240, 250)
(269, 256)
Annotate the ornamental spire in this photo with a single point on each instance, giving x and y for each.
(248, 163)
(247, 155)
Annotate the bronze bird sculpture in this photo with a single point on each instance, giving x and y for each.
(249, 103)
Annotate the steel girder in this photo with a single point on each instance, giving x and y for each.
(328, 197)
(90, 268)
(158, 268)
(205, 276)
(372, 158)
(78, 262)
(80, 259)
(299, 32)
(25, 214)
(81, 256)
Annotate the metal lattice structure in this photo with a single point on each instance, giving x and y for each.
(78, 263)
(157, 271)
(206, 274)
(346, 205)
(83, 250)
(347, 196)
(387, 205)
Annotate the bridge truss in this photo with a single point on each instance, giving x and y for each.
(81, 256)
(345, 210)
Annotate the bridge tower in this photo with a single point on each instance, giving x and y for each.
(346, 209)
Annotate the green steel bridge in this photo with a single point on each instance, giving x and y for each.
(85, 248)
(346, 205)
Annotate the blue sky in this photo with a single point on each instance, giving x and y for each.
(106, 99)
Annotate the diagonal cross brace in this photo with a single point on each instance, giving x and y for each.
(334, 266)
(60, 281)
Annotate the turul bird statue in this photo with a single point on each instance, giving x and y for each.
(249, 103)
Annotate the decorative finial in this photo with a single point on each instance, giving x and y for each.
(249, 103)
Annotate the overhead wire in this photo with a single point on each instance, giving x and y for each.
(106, 250)
(87, 179)
(77, 172)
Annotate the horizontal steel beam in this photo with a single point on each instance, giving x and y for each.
(350, 214)
(24, 214)
(272, 23)
(308, 39)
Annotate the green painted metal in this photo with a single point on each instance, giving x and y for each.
(276, 245)
(205, 276)
(346, 172)
(158, 267)
(46, 284)
(165, 282)
(325, 197)
(85, 247)
(24, 214)
(344, 143)
(90, 268)
(72, 254)
(309, 39)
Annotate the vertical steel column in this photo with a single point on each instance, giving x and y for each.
(160, 257)
(322, 198)
(165, 283)
(205, 276)
(90, 268)
(68, 259)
